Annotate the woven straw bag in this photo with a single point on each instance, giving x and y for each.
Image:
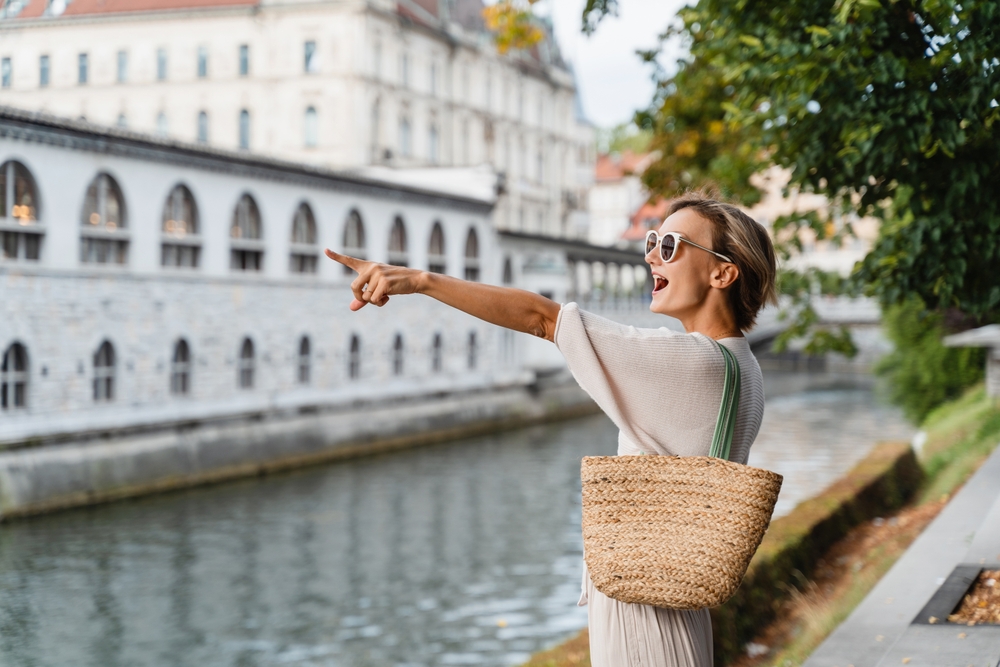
(676, 532)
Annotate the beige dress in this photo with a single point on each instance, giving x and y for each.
(662, 390)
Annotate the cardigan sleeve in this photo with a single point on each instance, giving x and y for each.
(661, 388)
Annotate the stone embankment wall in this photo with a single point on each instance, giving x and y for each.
(102, 467)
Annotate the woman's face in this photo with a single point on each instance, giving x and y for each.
(681, 286)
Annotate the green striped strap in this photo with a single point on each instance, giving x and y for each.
(722, 440)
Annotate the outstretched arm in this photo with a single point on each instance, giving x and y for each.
(507, 307)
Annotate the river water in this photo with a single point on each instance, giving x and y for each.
(464, 553)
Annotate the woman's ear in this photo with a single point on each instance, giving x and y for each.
(724, 275)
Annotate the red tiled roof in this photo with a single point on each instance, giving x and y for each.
(649, 216)
(614, 167)
(36, 8)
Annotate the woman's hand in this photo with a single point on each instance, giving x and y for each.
(375, 282)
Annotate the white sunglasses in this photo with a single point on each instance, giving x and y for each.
(668, 246)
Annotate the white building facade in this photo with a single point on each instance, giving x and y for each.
(338, 83)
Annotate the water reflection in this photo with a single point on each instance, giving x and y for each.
(463, 553)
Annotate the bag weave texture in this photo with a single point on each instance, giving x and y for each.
(670, 531)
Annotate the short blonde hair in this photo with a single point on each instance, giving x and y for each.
(741, 238)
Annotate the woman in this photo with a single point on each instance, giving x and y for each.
(713, 269)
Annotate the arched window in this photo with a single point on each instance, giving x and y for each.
(14, 378)
(397, 355)
(436, 354)
(104, 236)
(122, 122)
(508, 272)
(473, 351)
(162, 127)
(181, 242)
(247, 252)
(354, 358)
(104, 373)
(244, 129)
(247, 365)
(472, 256)
(304, 256)
(202, 127)
(354, 238)
(311, 127)
(305, 360)
(20, 236)
(397, 243)
(180, 369)
(436, 261)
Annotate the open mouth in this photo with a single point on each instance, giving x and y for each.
(659, 282)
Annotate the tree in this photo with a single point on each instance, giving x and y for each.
(886, 107)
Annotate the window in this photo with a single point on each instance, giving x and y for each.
(244, 129)
(245, 369)
(354, 238)
(202, 62)
(354, 358)
(432, 143)
(104, 231)
(436, 261)
(181, 242)
(397, 243)
(20, 235)
(14, 378)
(508, 272)
(6, 72)
(161, 64)
(43, 71)
(104, 373)
(311, 128)
(473, 351)
(376, 130)
(404, 136)
(377, 59)
(122, 122)
(202, 127)
(472, 256)
(397, 355)
(404, 69)
(434, 78)
(247, 253)
(180, 369)
(436, 358)
(305, 360)
(311, 60)
(122, 66)
(244, 60)
(162, 128)
(305, 255)
(465, 142)
(81, 69)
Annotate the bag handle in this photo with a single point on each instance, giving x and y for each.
(722, 440)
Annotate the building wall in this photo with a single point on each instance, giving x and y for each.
(61, 309)
(513, 113)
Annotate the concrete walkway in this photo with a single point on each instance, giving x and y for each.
(885, 629)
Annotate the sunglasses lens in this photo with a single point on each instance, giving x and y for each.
(667, 246)
(650, 241)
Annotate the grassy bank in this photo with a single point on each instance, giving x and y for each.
(959, 437)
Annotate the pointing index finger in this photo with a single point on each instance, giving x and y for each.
(346, 260)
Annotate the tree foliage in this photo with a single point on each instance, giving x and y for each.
(513, 25)
(886, 107)
(922, 372)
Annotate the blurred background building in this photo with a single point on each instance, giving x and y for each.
(345, 84)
